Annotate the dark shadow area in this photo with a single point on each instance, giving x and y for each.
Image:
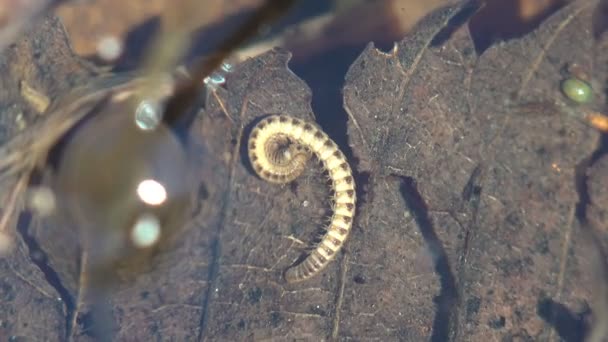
(472, 189)
(138, 40)
(581, 178)
(214, 269)
(135, 45)
(602, 150)
(446, 301)
(570, 326)
(600, 19)
(325, 74)
(300, 11)
(86, 323)
(97, 323)
(208, 38)
(40, 259)
(100, 324)
(182, 124)
(502, 20)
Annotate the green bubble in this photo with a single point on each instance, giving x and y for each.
(577, 90)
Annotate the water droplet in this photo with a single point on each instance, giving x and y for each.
(148, 115)
(214, 79)
(227, 67)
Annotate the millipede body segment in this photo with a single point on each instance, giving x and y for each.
(279, 147)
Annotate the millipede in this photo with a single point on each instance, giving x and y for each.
(279, 149)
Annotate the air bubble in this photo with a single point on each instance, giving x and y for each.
(227, 67)
(214, 80)
(148, 115)
(218, 78)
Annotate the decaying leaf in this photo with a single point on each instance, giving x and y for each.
(490, 184)
(31, 306)
(597, 217)
(597, 211)
(467, 165)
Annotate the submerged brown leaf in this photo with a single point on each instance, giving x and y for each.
(492, 189)
(31, 305)
(597, 218)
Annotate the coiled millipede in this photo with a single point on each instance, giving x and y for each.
(279, 147)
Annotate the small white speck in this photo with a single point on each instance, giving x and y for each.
(305, 203)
